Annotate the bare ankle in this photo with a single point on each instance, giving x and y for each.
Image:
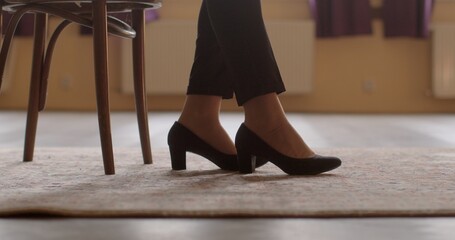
(264, 113)
(200, 110)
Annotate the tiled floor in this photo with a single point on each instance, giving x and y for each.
(319, 130)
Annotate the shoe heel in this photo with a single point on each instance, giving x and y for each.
(178, 158)
(246, 161)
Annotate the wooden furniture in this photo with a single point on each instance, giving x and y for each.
(94, 14)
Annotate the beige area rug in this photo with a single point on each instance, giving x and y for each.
(370, 183)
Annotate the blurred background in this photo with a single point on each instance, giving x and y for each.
(359, 74)
(335, 57)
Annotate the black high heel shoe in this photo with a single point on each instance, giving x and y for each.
(250, 146)
(181, 140)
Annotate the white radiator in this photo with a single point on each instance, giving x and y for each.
(170, 49)
(444, 60)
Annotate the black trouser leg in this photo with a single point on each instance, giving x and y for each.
(233, 52)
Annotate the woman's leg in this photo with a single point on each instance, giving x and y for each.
(264, 116)
(233, 53)
(242, 37)
(201, 115)
(209, 83)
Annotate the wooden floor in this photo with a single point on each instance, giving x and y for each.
(319, 130)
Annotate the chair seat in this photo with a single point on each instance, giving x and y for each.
(150, 2)
(115, 26)
(85, 6)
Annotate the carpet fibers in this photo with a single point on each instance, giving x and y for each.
(371, 183)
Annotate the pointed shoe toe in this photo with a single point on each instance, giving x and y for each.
(251, 148)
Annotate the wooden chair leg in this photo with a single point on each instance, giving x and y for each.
(100, 46)
(33, 104)
(139, 84)
(1, 36)
(7, 38)
(47, 63)
(1, 20)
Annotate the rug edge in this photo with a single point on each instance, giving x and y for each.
(65, 213)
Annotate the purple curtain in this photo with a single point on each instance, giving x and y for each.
(341, 17)
(407, 18)
(150, 15)
(24, 27)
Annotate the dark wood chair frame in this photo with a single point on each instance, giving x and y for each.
(102, 24)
